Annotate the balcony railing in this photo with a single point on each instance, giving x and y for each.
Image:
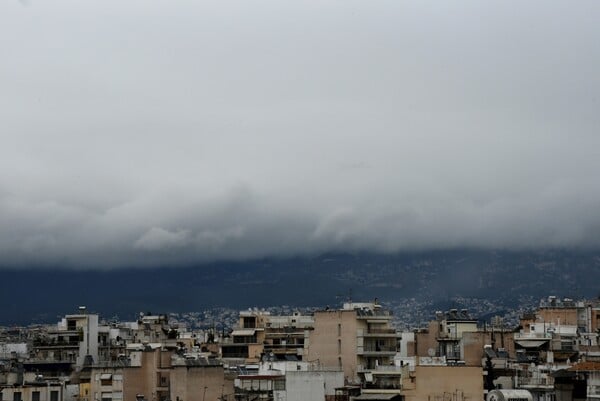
(386, 333)
(381, 331)
(382, 386)
(386, 369)
(381, 348)
(532, 336)
(376, 350)
(535, 381)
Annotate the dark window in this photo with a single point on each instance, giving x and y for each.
(53, 395)
(234, 351)
(17, 396)
(249, 322)
(35, 396)
(244, 339)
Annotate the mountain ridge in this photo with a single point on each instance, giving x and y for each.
(40, 295)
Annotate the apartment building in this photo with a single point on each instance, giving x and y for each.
(73, 340)
(359, 339)
(260, 333)
(290, 381)
(454, 336)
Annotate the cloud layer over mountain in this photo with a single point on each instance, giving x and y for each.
(175, 132)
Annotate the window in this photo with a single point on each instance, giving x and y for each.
(17, 396)
(339, 346)
(339, 330)
(279, 385)
(53, 395)
(35, 396)
(106, 379)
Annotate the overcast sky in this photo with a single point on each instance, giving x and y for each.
(171, 132)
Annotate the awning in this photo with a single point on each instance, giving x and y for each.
(244, 332)
(531, 344)
(378, 397)
(105, 376)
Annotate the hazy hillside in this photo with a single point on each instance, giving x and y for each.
(38, 295)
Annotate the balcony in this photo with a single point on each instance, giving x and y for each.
(380, 333)
(533, 336)
(376, 314)
(452, 355)
(376, 351)
(384, 370)
(535, 382)
(448, 337)
(55, 344)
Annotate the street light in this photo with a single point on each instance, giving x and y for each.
(204, 394)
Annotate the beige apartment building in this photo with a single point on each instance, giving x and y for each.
(159, 374)
(454, 336)
(357, 338)
(260, 333)
(198, 379)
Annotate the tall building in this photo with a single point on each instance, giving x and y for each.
(358, 338)
(260, 333)
(73, 340)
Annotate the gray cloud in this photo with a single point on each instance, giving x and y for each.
(180, 132)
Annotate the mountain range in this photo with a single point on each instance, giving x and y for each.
(40, 295)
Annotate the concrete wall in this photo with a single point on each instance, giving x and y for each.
(71, 391)
(144, 379)
(407, 344)
(457, 383)
(89, 343)
(188, 383)
(556, 316)
(426, 340)
(472, 345)
(305, 386)
(334, 339)
(464, 327)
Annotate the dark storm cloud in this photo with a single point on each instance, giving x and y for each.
(138, 133)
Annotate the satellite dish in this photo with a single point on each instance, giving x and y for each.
(431, 352)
